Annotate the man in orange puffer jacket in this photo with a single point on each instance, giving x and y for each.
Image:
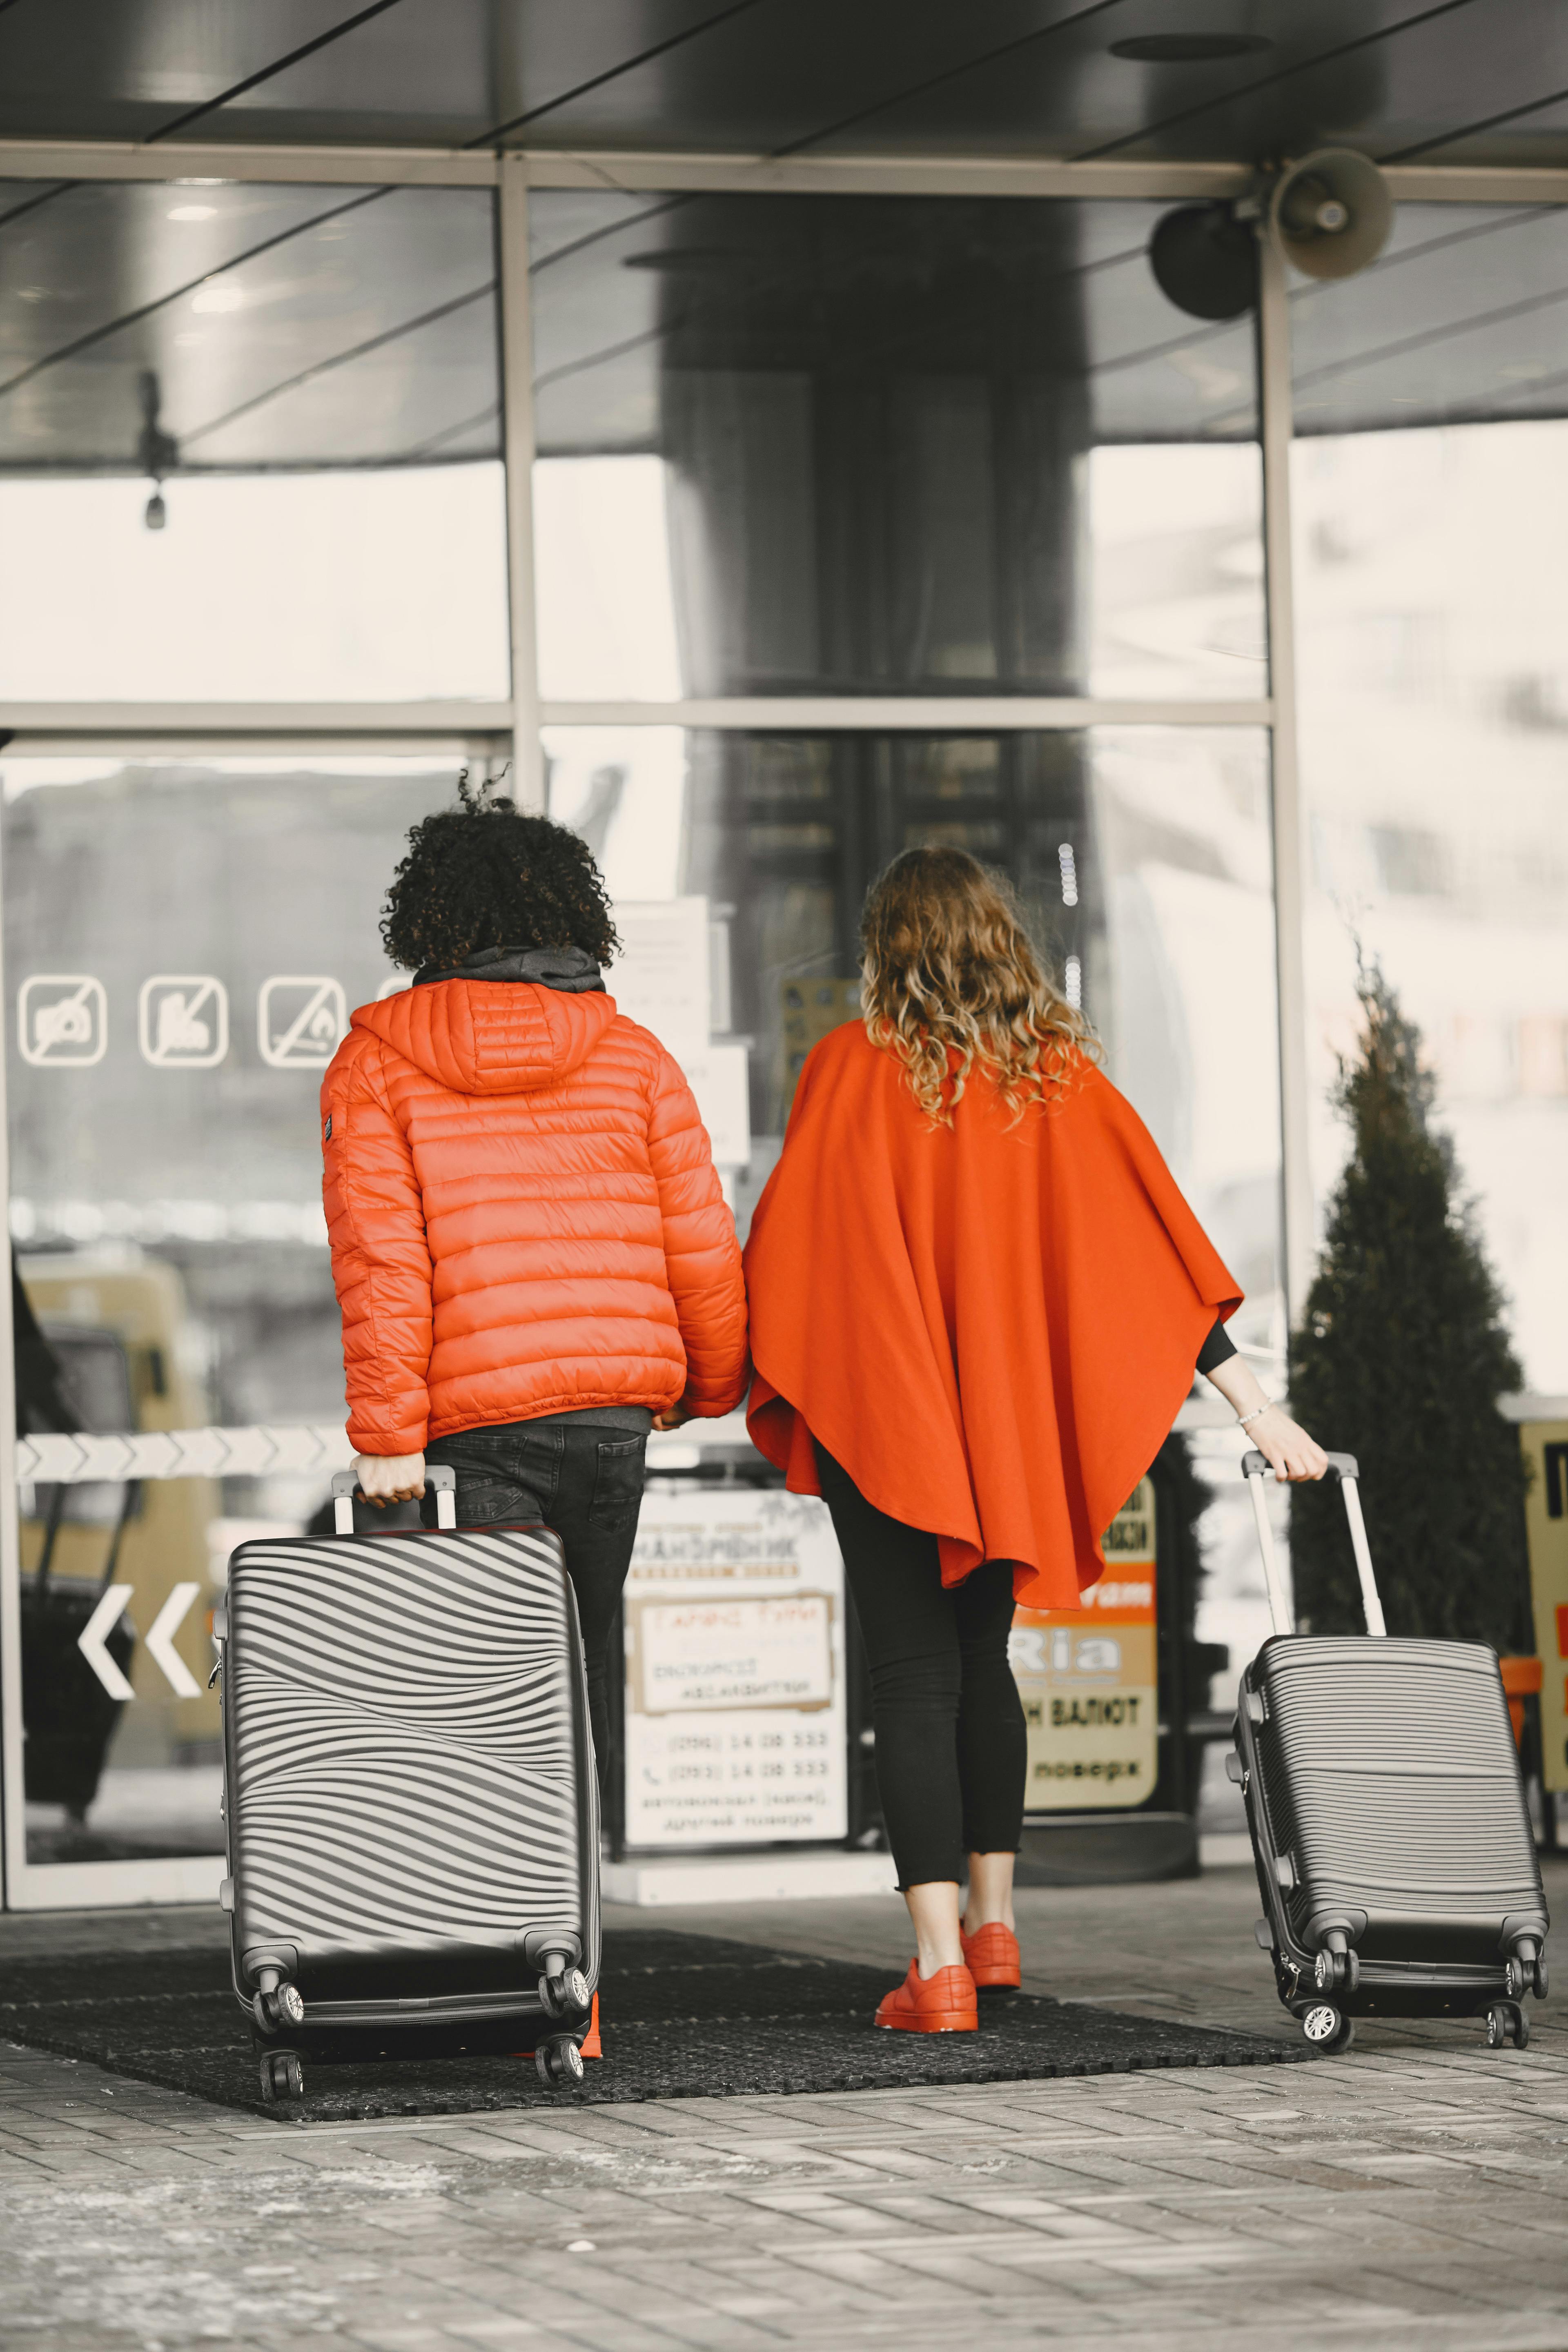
(531, 1252)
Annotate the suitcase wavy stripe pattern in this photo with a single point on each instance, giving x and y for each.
(469, 1774)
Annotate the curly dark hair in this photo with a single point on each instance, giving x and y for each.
(485, 875)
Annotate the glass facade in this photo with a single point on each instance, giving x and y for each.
(814, 448)
(1434, 706)
(1430, 507)
(182, 943)
(1141, 856)
(312, 374)
(795, 445)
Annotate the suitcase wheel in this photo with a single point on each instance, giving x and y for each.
(564, 1993)
(559, 2062)
(1336, 1971)
(1524, 1975)
(1506, 2022)
(1327, 2028)
(278, 2009)
(282, 2075)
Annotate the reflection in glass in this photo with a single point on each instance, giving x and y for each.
(179, 941)
(1434, 686)
(249, 445)
(862, 444)
(1141, 855)
(1460, 320)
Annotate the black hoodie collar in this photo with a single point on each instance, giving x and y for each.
(572, 971)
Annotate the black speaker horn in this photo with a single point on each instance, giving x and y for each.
(1205, 261)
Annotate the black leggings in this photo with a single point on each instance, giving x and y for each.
(950, 1744)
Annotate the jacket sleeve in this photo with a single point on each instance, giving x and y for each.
(381, 1257)
(701, 1252)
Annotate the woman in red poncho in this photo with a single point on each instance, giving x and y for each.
(978, 1298)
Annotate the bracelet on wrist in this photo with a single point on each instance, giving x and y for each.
(1243, 1419)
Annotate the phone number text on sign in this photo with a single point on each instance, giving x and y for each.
(734, 1682)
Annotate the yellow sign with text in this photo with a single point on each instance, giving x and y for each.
(1090, 1683)
(1546, 1444)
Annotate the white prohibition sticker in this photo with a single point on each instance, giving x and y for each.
(300, 1021)
(182, 1020)
(62, 1020)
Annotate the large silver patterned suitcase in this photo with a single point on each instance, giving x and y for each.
(410, 1801)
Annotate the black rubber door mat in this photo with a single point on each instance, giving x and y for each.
(681, 2016)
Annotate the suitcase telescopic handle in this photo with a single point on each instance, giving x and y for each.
(1346, 1470)
(439, 1475)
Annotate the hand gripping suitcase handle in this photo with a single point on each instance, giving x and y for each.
(1344, 1468)
(439, 1475)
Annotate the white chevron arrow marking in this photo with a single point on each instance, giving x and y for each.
(90, 1641)
(160, 1640)
(250, 1452)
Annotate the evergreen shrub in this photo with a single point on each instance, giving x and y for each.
(1401, 1354)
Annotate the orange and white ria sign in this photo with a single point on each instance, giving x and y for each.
(1090, 1682)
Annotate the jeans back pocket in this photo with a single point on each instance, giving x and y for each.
(617, 1477)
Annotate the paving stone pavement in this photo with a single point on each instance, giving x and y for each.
(1409, 2195)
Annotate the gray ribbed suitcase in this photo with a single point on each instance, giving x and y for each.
(1393, 1842)
(410, 1799)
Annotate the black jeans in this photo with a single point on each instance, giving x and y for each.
(583, 1480)
(952, 1753)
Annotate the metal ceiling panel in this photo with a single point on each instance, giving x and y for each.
(1480, 78)
(1391, 80)
(1066, 93)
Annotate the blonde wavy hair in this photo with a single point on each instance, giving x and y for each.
(949, 968)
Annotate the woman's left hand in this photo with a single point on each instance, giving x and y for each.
(1291, 1454)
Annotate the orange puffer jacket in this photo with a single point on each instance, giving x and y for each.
(524, 1216)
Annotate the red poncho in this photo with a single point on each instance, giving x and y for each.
(991, 1326)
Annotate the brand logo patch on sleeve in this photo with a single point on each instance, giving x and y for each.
(326, 1131)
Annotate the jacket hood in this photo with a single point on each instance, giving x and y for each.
(491, 1036)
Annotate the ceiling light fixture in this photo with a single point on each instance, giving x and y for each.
(1189, 49)
(157, 451)
(191, 211)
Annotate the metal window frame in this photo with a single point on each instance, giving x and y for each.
(481, 729)
(611, 169)
(943, 714)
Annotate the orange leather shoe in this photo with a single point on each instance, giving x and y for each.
(993, 1956)
(944, 2003)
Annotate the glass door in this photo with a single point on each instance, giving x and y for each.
(183, 944)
